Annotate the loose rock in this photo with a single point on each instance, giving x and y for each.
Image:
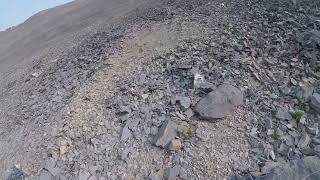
(283, 115)
(304, 93)
(297, 169)
(172, 173)
(304, 142)
(219, 103)
(45, 175)
(315, 102)
(175, 145)
(185, 102)
(157, 176)
(166, 133)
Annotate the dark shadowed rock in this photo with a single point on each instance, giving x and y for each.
(166, 133)
(220, 102)
(315, 102)
(307, 168)
(304, 93)
(283, 115)
(16, 174)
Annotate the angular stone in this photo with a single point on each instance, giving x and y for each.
(199, 82)
(93, 178)
(316, 140)
(283, 115)
(185, 102)
(304, 93)
(220, 102)
(166, 133)
(132, 124)
(126, 134)
(156, 176)
(269, 165)
(172, 173)
(304, 141)
(45, 175)
(16, 174)
(296, 170)
(314, 130)
(175, 145)
(189, 113)
(269, 124)
(315, 102)
(83, 175)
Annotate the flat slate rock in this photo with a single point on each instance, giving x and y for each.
(307, 169)
(166, 133)
(315, 102)
(220, 102)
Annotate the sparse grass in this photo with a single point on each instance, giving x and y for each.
(297, 115)
(186, 133)
(302, 107)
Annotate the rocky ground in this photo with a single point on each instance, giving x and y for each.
(181, 90)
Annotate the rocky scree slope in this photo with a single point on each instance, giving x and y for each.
(194, 90)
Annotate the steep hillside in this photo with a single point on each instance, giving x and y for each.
(172, 89)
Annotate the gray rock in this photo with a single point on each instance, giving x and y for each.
(166, 133)
(269, 165)
(220, 102)
(188, 113)
(16, 174)
(309, 39)
(156, 176)
(307, 168)
(93, 178)
(269, 124)
(314, 130)
(304, 141)
(133, 123)
(283, 115)
(45, 175)
(185, 102)
(175, 145)
(317, 149)
(315, 102)
(199, 82)
(172, 173)
(51, 167)
(304, 93)
(126, 134)
(316, 140)
(83, 175)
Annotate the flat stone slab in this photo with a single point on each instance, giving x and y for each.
(220, 102)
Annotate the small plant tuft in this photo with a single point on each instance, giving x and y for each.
(186, 133)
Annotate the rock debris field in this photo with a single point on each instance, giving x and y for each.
(175, 89)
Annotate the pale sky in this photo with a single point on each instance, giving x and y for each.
(14, 12)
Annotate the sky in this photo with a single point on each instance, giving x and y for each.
(14, 12)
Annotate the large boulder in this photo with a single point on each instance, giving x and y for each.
(220, 102)
(307, 168)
